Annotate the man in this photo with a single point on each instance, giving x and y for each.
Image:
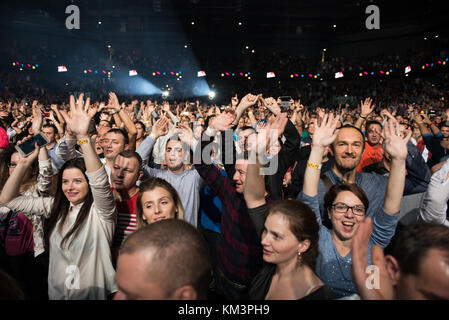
(437, 144)
(126, 170)
(187, 182)
(417, 269)
(168, 259)
(347, 150)
(114, 142)
(50, 131)
(373, 147)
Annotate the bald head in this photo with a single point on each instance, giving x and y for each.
(164, 257)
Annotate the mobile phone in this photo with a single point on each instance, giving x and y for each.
(285, 101)
(26, 148)
(46, 114)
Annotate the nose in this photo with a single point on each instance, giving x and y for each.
(157, 209)
(265, 240)
(349, 213)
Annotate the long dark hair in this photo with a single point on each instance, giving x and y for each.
(61, 205)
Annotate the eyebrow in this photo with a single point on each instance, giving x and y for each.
(162, 198)
(431, 295)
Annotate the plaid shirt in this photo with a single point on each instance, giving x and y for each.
(239, 247)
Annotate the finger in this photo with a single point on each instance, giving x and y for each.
(86, 107)
(72, 103)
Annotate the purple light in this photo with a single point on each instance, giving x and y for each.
(310, 75)
(89, 70)
(296, 75)
(172, 72)
(381, 72)
(104, 71)
(439, 62)
(241, 73)
(227, 73)
(158, 72)
(427, 64)
(365, 72)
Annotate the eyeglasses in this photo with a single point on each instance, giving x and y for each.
(340, 207)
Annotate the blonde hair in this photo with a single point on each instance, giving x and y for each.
(151, 184)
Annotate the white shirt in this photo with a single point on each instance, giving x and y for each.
(82, 268)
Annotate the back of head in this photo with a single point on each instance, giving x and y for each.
(415, 241)
(181, 255)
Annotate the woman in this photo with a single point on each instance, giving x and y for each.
(346, 205)
(81, 218)
(141, 133)
(22, 232)
(157, 200)
(290, 246)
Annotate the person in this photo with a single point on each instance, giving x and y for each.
(168, 259)
(416, 269)
(187, 182)
(157, 200)
(125, 173)
(289, 234)
(141, 133)
(50, 131)
(81, 217)
(433, 208)
(373, 145)
(239, 248)
(347, 204)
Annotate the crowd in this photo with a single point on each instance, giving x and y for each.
(259, 199)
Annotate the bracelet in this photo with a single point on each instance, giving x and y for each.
(363, 117)
(153, 136)
(83, 140)
(314, 165)
(419, 122)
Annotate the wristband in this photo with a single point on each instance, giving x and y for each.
(153, 136)
(314, 165)
(363, 117)
(83, 140)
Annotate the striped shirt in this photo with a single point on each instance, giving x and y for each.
(126, 220)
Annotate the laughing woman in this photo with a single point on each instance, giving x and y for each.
(346, 205)
(81, 217)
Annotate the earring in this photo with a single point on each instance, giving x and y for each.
(299, 253)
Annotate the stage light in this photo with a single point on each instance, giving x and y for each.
(13, 63)
(253, 51)
(291, 76)
(62, 69)
(310, 75)
(104, 72)
(360, 74)
(302, 76)
(391, 70)
(436, 36)
(425, 38)
(249, 73)
(172, 72)
(20, 69)
(233, 74)
(185, 46)
(423, 67)
(372, 73)
(324, 49)
(33, 67)
(241, 73)
(407, 69)
(270, 75)
(387, 73)
(109, 46)
(158, 72)
(96, 71)
(99, 22)
(201, 73)
(177, 73)
(192, 23)
(37, 66)
(226, 73)
(366, 73)
(318, 74)
(296, 75)
(85, 71)
(427, 64)
(132, 73)
(339, 75)
(163, 73)
(444, 63)
(439, 62)
(246, 47)
(431, 65)
(109, 73)
(211, 95)
(240, 23)
(381, 72)
(246, 75)
(222, 74)
(113, 67)
(315, 76)
(89, 70)
(165, 94)
(249, 78)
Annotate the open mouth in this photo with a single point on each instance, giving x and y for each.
(348, 226)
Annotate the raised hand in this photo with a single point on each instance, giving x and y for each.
(160, 127)
(326, 132)
(223, 121)
(113, 102)
(79, 119)
(185, 134)
(271, 104)
(36, 120)
(360, 265)
(248, 101)
(367, 107)
(166, 106)
(394, 144)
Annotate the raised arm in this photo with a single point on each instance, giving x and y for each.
(324, 135)
(160, 128)
(396, 146)
(129, 124)
(246, 102)
(367, 107)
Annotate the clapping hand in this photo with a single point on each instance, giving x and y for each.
(223, 121)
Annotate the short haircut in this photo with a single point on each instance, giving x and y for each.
(130, 154)
(50, 125)
(119, 131)
(351, 127)
(371, 123)
(181, 255)
(415, 240)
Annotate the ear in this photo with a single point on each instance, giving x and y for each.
(393, 270)
(331, 150)
(140, 175)
(186, 292)
(304, 246)
(329, 214)
(126, 147)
